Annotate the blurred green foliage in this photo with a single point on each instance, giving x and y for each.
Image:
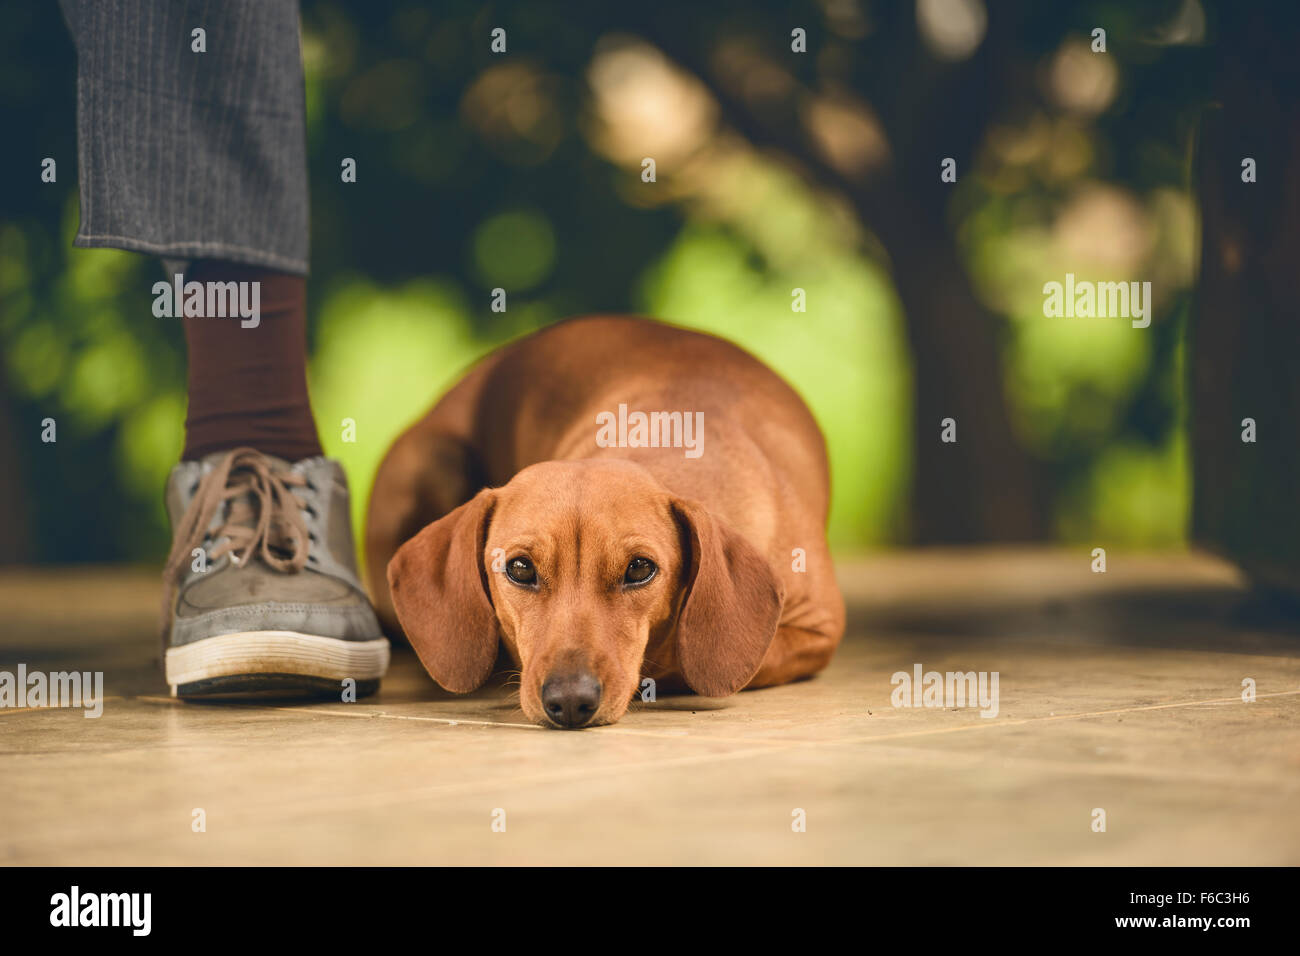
(475, 173)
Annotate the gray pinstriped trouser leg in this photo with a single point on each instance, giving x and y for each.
(187, 155)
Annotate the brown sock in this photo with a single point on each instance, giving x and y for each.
(248, 386)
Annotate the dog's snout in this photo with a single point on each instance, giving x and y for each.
(571, 699)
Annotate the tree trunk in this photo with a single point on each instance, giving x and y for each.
(985, 486)
(1245, 335)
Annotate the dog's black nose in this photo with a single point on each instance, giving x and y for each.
(571, 699)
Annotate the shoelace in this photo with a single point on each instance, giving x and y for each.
(272, 528)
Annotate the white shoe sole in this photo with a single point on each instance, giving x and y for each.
(273, 657)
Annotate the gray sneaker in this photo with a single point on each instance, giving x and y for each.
(261, 590)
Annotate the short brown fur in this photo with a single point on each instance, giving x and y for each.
(507, 463)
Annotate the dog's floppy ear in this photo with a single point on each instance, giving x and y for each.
(440, 593)
(731, 609)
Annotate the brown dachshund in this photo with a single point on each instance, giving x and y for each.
(611, 499)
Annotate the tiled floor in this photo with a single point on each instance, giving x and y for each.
(1119, 691)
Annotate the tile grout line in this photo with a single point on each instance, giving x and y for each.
(993, 724)
(779, 742)
(6, 711)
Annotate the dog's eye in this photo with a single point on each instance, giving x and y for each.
(521, 571)
(639, 571)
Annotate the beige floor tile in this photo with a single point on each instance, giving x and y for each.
(1119, 691)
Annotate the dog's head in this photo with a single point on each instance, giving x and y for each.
(579, 567)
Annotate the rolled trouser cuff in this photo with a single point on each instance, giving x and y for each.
(192, 155)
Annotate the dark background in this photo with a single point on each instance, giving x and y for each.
(776, 170)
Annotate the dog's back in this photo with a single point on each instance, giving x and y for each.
(719, 427)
